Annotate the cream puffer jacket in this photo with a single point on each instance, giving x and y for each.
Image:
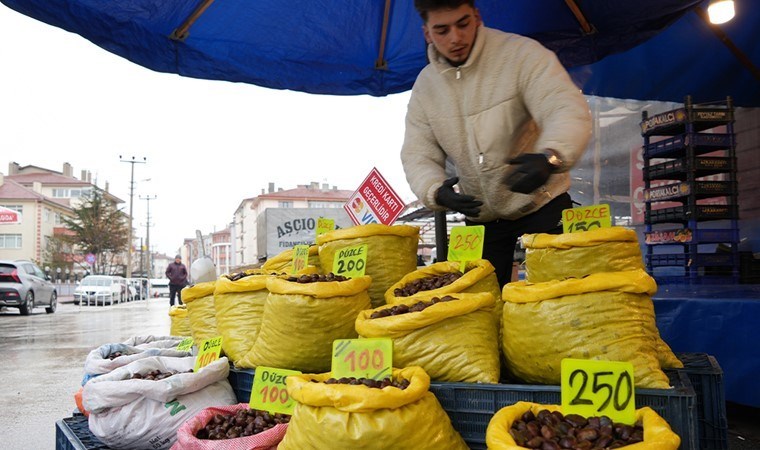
(512, 96)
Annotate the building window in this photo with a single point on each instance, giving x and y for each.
(10, 241)
(71, 193)
(322, 204)
(58, 220)
(282, 204)
(18, 208)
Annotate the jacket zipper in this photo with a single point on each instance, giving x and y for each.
(459, 72)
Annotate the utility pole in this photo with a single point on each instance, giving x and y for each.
(148, 198)
(132, 162)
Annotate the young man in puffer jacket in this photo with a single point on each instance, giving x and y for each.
(504, 111)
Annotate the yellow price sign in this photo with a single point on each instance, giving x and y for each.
(595, 388)
(300, 258)
(362, 358)
(324, 225)
(185, 344)
(350, 262)
(586, 218)
(209, 351)
(466, 244)
(269, 391)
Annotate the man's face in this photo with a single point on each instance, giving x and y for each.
(452, 32)
(177, 260)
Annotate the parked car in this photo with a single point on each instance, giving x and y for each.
(101, 289)
(140, 288)
(159, 287)
(25, 286)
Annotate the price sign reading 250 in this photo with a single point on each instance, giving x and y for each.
(269, 391)
(595, 388)
(362, 358)
(350, 262)
(466, 243)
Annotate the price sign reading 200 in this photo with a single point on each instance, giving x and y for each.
(350, 262)
(595, 388)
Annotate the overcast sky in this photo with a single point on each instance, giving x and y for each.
(208, 144)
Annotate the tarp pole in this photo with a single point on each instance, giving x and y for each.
(587, 28)
(181, 33)
(723, 37)
(380, 62)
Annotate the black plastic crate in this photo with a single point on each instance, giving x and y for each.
(706, 377)
(676, 147)
(73, 433)
(692, 259)
(696, 189)
(681, 168)
(675, 121)
(682, 214)
(470, 406)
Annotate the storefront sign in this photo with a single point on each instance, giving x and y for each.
(667, 118)
(667, 192)
(374, 202)
(586, 218)
(280, 229)
(209, 351)
(350, 262)
(9, 216)
(269, 391)
(362, 358)
(596, 388)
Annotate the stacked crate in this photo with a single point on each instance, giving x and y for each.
(691, 196)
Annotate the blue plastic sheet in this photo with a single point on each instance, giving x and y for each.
(721, 321)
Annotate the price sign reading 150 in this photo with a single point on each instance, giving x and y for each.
(595, 388)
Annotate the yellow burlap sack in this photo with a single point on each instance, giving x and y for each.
(301, 321)
(657, 432)
(283, 262)
(479, 276)
(606, 316)
(575, 255)
(239, 307)
(451, 341)
(391, 253)
(199, 299)
(180, 322)
(345, 417)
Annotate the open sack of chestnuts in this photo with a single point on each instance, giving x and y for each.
(444, 278)
(143, 404)
(109, 357)
(303, 316)
(391, 253)
(527, 425)
(403, 415)
(199, 299)
(233, 427)
(452, 337)
(606, 316)
(283, 262)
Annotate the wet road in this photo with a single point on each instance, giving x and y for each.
(42, 359)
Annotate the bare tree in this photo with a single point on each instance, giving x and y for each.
(98, 227)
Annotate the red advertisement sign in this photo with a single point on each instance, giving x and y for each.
(9, 216)
(374, 202)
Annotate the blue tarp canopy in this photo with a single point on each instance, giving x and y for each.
(644, 49)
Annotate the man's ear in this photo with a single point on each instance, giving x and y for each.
(478, 19)
(426, 32)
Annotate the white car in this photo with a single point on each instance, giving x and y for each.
(101, 290)
(159, 287)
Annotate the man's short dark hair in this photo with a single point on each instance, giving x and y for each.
(423, 6)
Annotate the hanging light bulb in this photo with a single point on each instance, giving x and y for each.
(720, 11)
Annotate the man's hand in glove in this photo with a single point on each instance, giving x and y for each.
(465, 204)
(530, 172)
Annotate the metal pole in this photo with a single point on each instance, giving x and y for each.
(441, 235)
(131, 194)
(148, 198)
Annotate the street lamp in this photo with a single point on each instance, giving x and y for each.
(132, 162)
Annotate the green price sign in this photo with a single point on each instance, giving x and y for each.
(324, 225)
(466, 244)
(595, 388)
(300, 257)
(269, 392)
(350, 261)
(586, 218)
(185, 344)
(362, 358)
(209, 351)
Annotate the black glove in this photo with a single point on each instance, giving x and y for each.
(531, 172)
(465, 204)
